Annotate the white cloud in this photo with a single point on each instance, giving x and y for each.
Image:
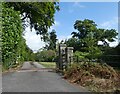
(100, 43)
(33, 40)
(113, 44)
(78, 5)
(109, 24)
(75, 6)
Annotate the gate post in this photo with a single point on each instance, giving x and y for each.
(65, 56)
(62, 56)
(69, 54)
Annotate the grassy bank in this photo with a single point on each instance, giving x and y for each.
(13, 68)
(48, 64)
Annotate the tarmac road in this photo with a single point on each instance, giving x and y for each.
(28, 80)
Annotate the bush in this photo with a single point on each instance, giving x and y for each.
(14, 48)
(85, 56)
(46, 56)
(81, 55)
(11, 36)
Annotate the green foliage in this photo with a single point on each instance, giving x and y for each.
(51, 41)
(94, 53)
(75, 43)
(0, 34)
(117, 49)
(105, 35)
(113, 51)
(81, 55)
(88, 36)
(14, 48)
(28, 54)
(11, 35)
(45, 56)
(40, 14)
(112, 56)
(84, 27)
(88, 28)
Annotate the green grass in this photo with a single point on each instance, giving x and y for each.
(48, 64)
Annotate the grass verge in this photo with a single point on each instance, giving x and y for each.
(48, 64)
(13, 68)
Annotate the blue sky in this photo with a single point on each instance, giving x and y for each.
(104, 14)
(101, 13)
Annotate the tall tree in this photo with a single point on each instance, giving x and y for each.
(89, 35)
(51, 41)
(83, 27)
(45, 55)
(73, 42)
(39, 15)
(88, 29)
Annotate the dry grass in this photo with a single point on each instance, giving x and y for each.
(95, 76)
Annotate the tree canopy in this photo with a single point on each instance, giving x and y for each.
(87, 37)
(88, 29)
(51, 40)
(39, 15)
(14, 48)
(45, 56)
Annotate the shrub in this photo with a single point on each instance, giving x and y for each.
(46, 56)
(81, 55)
(11, 36)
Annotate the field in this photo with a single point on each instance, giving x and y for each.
(48, 64)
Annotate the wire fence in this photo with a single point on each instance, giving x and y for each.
(112, 60)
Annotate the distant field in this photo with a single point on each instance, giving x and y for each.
(48, 64)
